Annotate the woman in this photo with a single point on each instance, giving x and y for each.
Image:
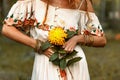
(35, 17)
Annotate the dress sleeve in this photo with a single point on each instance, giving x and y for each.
(21, 15)
(91, 26)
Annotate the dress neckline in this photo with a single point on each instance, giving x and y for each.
(68, 9)
(58, 7)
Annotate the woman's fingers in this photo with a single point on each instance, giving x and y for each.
(69, 46)
(49, 52)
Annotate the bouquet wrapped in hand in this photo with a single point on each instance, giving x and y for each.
(56, 39)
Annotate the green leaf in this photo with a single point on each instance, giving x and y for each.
(45, 45)
(94, 30)
(56, 62)
(98, 27)
(63, 64)
(69, 55)
(62, 51)
(11, 16)
(70, 34)
(15, 20)
(53, 57)
(56, 48)
(74, 60)
(101, 30)
(37, 24)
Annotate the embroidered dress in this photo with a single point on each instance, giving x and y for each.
(28, 15)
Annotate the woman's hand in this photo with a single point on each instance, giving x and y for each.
(48, 52)
(70, 44)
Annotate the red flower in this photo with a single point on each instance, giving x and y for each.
(26, 22)
(31, 22)
(19, 23)
(72, 29)
(62, 73)
(86, 32)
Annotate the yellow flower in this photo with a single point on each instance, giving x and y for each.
(57, 36)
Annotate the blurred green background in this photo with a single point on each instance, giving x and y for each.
(16, 60)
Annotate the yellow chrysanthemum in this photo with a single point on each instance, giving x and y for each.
(57, 36)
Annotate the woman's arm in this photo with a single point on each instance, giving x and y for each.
(14, 34)
(99, 41)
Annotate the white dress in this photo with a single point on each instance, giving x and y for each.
(67, 18)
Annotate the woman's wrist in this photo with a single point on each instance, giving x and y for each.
(80, 39)
(32, 43)
(37, 47)
(87, 40)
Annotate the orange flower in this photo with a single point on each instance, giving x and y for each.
(32, 21)
(19, 23)
(72, 29)
(62, 73)
(26, 22)
(86, 32)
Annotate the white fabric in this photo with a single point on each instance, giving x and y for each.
(43, 69)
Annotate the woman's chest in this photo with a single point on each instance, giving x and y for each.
(57, 16)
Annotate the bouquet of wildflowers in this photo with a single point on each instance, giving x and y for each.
(56, 39)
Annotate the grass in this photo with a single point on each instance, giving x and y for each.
(104, 62)
(16, 61)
